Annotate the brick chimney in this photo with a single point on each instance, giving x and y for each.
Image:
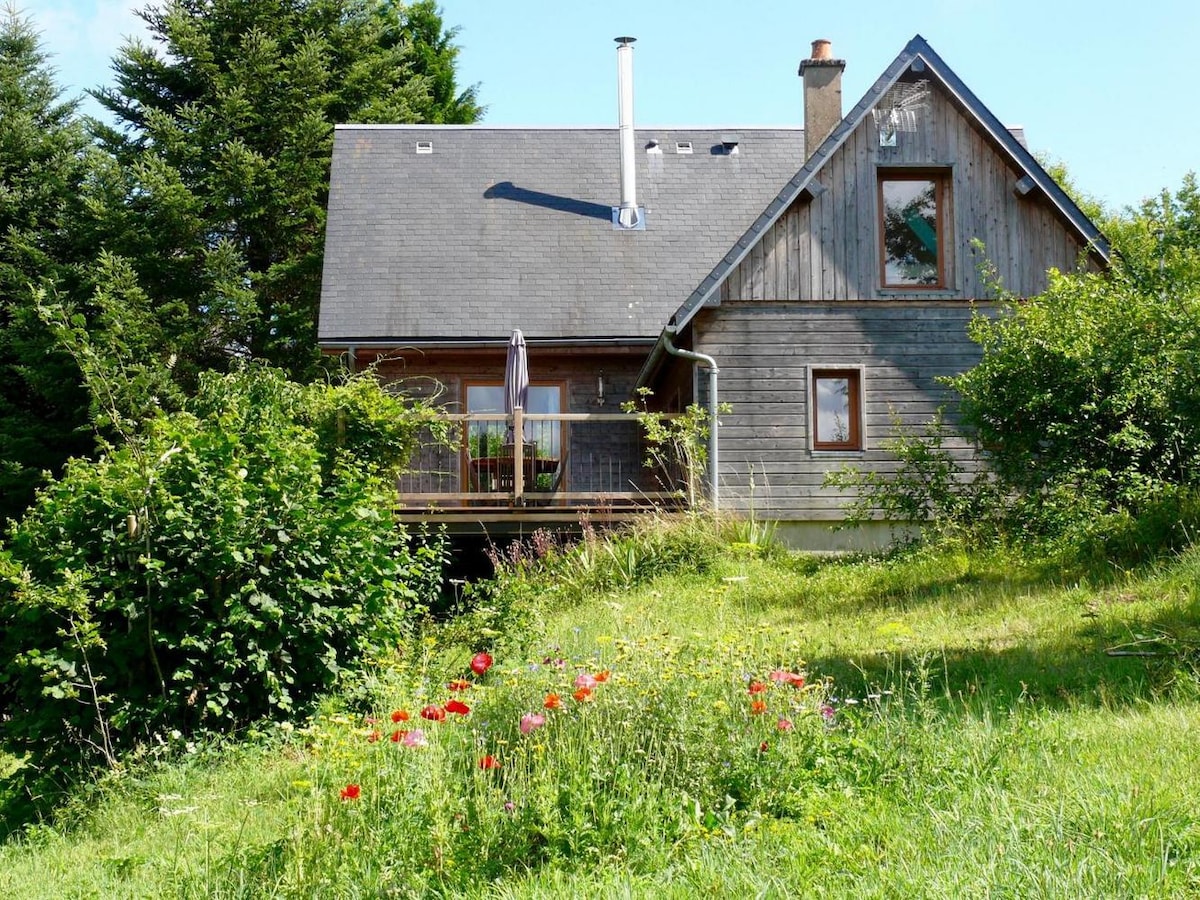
(822, 76)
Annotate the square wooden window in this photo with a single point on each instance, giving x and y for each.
(836, 404)
(912, 216)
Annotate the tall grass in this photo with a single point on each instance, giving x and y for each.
(962, 730)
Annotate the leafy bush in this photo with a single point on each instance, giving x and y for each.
(929, 486)
(1094, 387)
(224, 566)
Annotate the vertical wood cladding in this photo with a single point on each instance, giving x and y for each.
(827, 248)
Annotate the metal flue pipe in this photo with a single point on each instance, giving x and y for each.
(627, 215)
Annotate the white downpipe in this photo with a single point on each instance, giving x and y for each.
(705, 360)
(627, 216)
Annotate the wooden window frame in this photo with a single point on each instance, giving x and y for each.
(941, 181)
(856, 441)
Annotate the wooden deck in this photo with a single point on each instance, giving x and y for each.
(569, 468)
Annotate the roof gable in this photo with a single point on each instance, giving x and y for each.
(919, 57)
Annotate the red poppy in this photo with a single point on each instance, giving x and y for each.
(782, 677)
(433, 713)
(489, 762)
(398, 736)
(757, 687)
(481, 662)
(583, 695)
(373, 736)
(459, 684)
(603, 676)
(457, 707)
(552, 701)
(758, 707)
(351, 792)
(399, 715)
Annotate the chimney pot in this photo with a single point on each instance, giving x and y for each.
(822, 49)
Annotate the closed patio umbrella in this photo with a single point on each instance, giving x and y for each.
(516, 377)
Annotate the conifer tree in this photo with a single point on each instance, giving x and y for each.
(224, 133)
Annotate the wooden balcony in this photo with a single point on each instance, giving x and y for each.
(569, 466)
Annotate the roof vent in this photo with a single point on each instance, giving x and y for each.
(424, 146)
(654, 147)
(729, 143)
(683, 146)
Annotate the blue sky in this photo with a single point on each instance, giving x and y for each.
(1103, 86)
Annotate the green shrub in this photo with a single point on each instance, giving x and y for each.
(929, 486)
(226, 565)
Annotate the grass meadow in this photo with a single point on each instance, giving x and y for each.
(940, 724)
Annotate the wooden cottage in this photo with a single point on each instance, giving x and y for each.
(829, 273)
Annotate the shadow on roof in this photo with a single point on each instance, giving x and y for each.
(506, 190)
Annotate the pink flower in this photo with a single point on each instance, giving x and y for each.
(827, 713)
(532, 722)
(584, 680)
(784, 725)
(415, 738)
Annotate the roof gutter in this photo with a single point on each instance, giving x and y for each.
(705, 360)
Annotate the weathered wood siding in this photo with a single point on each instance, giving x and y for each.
(765, 351)
(827, 248)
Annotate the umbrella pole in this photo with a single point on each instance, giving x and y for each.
(518, 424)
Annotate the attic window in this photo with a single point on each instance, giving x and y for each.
(424, 146)
(683, 146)
(912, 215)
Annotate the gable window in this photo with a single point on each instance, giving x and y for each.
(836, 409)
(912, 215)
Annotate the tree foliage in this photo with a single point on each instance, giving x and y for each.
(224, 133)
(1096, 383)
(43, 167)
(227, 563)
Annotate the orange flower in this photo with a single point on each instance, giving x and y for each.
(398, 736)
(603, 676)
(351, 792)
(552, 701)
(374, 736)
(489, 762)
(400, 715)
(757, 687)
(459, 684)
(583, 695)
(457, 707)
(758, 707)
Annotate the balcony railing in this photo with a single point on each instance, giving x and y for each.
(564, 462)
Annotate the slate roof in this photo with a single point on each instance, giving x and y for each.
(502, 228)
